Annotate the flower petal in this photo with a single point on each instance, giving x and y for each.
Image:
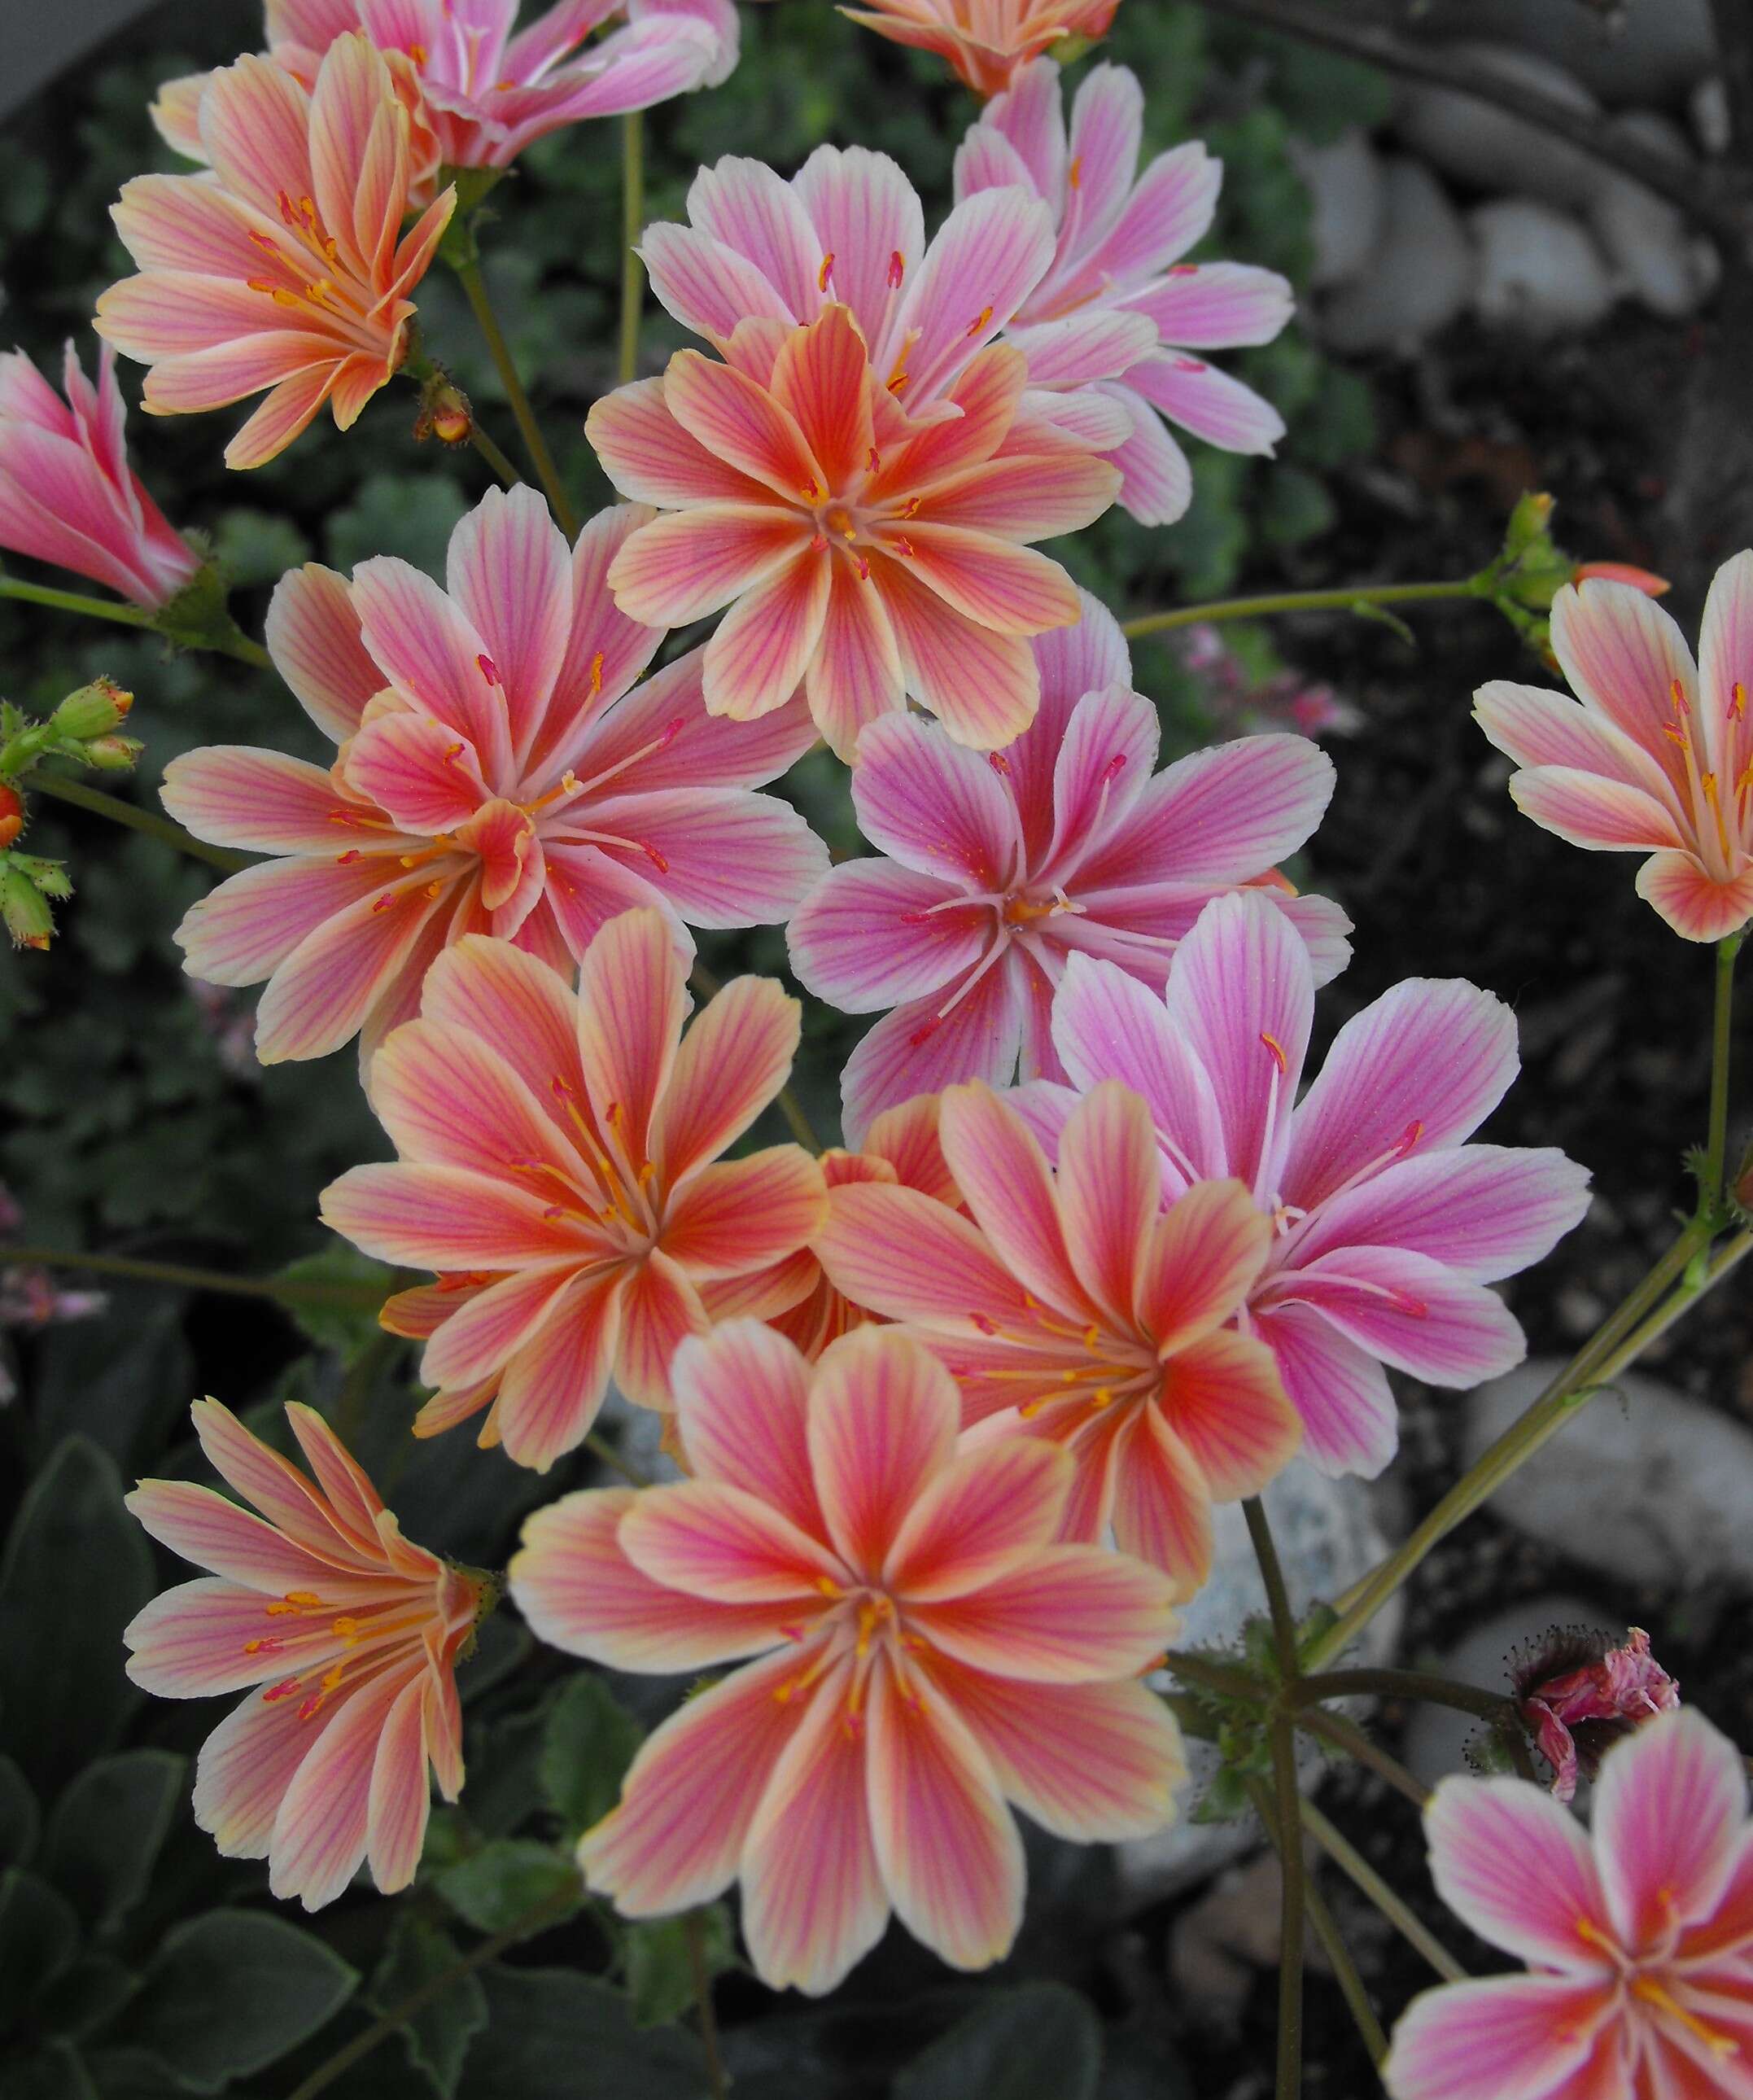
(1350, 1423)
(742, 1406)
(1161, 1504)
(554, 1384)
(1517, 1868)
(313, 635)
(746, 1214)
(1202, 1259)
(1499, 2038)
(871, 933)
(985, 1514)
(883, 1417)
(969, 1031)
(1669, 1805)
(1071, 1615)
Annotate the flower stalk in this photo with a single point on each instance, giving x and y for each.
(468, 269)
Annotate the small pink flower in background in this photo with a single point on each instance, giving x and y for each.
(1116, 330)
(499, 771)
(925, 1652)
(67, 493)
(227, 1019)
(1387, 1225)
(1580, 1696)
(286, 268)
(480, 94)
(1243, 702)
(993, 870)
(30, 1297)
(1655, 753)
(860, 479)
(986, 41)
(561, 1169)
(1638, 1936)
(353, 1632)
(1073, 1309)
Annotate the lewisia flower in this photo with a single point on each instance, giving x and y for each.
(926, 1651)
(499, 772)
(1638, 1936)
(1387, 1224)
(1655, 753)
(987, 41)
(560, 1168)
(1579, 1695)
(286, 268)
(1074, 1309)
(478, 93)
(1116, 324)
(993, 870)
(859, 479)
(67, 493)
(353, 1632)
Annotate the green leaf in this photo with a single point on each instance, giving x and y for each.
(91, 1993)
(343, 1328)
(1039, 2041)
(498, 1886)
(232, 1991)
(122, 1379)
(77, 1567)
(589, 1744)
(557, 2036)
(106, 1831)
(660, 1969)
(54, 2073)
(39, 1936)
(439, 2034)
(19, 1816)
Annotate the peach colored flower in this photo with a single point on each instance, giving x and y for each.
(355, 1634)
(1075, 1309)
(987, 42)
(560, 1169)
(286, 268)
(67, 493)
(1638, 1935)
(926, 1652)
(499, 771)
(1655, 753)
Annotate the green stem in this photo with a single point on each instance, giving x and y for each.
(551, 1907)
(1346, 1737)
(1278, 1596)
(1342, 600)
(694, 1933)
(475, 291)
(287, 1291)
(508, 474)
(1289, 2080)
(600, 1447)
(632, 215)
(154, 827)
(1357, 1870)
(61, 601)
(1397, 1684)
(1710, 1189)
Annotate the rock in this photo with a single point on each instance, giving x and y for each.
(1476, 142)
(1648, 1487)
(1327, 1537)
(1539, 273)
(1436, 1740)
(1345, 198)
(637, 1434)
(1649, 246)
(1650, 50)
(1418, 277)
(1235, 1928)
(1707, 110)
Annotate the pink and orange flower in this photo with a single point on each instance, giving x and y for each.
(286, 268)
(499, 771)
(353, 1634)
(1638, 1935)
(860, 478)
(987, 42)
(923, 1651)
(1117, 325)
(1071, 1308)
(560, 1168)
(67, 494)
(1655, 753)
(993, 870)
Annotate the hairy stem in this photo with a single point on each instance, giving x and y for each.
(1347, 1737)
(1342, 600)
(1213, 1675)
(1398, 1684)
(694, 1932)
(287, 1290)
(58, 789)
(1289, 2084)
(475, 291)
(1278, 1596)
(632, 225)
(1362, 1875)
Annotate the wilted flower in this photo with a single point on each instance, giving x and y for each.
(499, 771)
(67, 493)
(1579, 1695)
(926, 1651)
(353, 1633)
(285, 268)
(1638, 1936)
(987, 41)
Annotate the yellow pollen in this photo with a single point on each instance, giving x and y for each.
(1738, 699)
(979, 322)
(282, 297)
(825, 272)
(295, 1600)
(596, 673)
(812, 490)
(828, 1586)
(417, 53)
(1656, 1994)
(1074, 173)
(1277, 1049)
(1587, 1929)
(347, 1628)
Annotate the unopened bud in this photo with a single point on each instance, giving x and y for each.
(50, 877)
(24, 910)
(11, 814)
(445, 413)
(113, 754)
(1623, 572)
(95, 710)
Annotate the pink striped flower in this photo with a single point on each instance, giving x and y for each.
(286, 268)
(1387, 1225)
(478, 93)
(1114, 331)
(67, 493)
(560, 1168)
(1638, 1935)
(987, 42)
(925, 1652)
(859, 479)
(1073, 1308)
(499, 771)
(354, 1635)
(993, 870)
(1655, 754)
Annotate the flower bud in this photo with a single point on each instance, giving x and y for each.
(1623, 572)
(24, 910)
(11, 814)
(50, 877)
(113, 754)
(94, 711)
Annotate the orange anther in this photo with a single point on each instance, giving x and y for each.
(979, 322)
(825, 272)
(1277, 1049)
